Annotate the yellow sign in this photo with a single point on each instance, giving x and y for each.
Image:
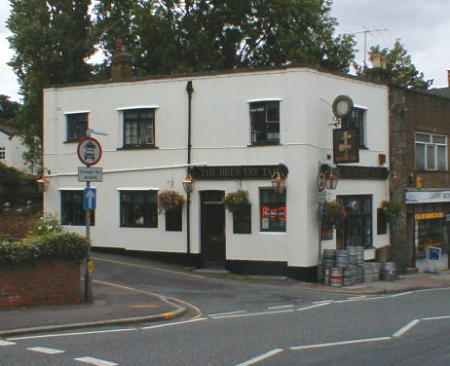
(91, 266)
(430, 215)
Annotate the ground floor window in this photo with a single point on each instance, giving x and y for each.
(138, 208)
(356, 227)
(174, 219)
(430, 233)
(273, 210)
(2, 153)
(242, 220)
(72, 212)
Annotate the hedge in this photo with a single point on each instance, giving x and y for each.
(53, 246)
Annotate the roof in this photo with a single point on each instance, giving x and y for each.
(8, 130)
(443, 92)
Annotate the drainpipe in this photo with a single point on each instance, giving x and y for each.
(189, 90)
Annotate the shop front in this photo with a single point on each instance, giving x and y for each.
(429, 228)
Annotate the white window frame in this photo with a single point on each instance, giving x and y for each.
(426, 144)
(2, 152)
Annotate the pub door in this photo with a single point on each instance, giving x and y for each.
(213, 228)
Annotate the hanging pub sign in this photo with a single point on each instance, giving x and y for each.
(345, 146)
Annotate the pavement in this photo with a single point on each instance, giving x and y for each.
(113, 304)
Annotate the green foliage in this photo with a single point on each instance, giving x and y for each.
(53, 246)
(47, 224)
(234, 201)
(8, 110)
(399, 69)
(391, 210)
(169, 200)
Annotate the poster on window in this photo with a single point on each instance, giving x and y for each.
(273, 218)
(345, 146)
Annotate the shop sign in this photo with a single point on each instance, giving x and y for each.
(429, 216)
(427, 197)
(362, 172)
(232, 172)
(345, 146)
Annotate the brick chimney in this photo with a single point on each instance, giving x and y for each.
(121, 69)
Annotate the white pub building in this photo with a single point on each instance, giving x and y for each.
(266, 133)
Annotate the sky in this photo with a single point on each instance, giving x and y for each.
(423, 27)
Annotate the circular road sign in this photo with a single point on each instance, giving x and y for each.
(89, 151)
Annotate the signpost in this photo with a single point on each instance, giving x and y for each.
(89, 152)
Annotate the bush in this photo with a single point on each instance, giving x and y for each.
(46, 225)
(56, 245)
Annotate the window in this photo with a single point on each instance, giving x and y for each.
(72, 212)
(265, 123)
(138, 209)
(431, 152)
(138, 128)
(242, 220)
(174, 219)
(273, 210)
(356, 229)
(381, 222)
(2, 153)
(77, 124)
(356, 121)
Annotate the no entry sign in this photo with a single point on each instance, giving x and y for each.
(89, 151)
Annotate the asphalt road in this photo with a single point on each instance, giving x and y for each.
(300, 328)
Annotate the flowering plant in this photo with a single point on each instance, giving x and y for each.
(46, 224)
(170, 200)
(234, 201)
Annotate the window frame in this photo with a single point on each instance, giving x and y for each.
(68, 116)
(171, 226)
(278, 204)
(264, 103)
(73, 222)
(140, 126)
(147, 223)
(237, 215)
(435, 146)
(2, 152)
(349, 123)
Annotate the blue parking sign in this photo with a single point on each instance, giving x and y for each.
(89, 199)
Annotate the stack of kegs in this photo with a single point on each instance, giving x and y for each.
(350, 275)
(389, 271)
(372, 271)
(337, 277)
(356, 255)
(342, 258)
(328, 262)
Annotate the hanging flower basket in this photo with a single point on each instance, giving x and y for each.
(391, 210)
(332, 213)
(235, 201)
(170, 200)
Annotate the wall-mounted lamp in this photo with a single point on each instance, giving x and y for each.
(279, 182)
(188, 184)
(42, 184)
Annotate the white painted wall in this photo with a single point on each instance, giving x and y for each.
(220, 136)
(14, 152)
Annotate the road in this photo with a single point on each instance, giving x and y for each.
(244, 324)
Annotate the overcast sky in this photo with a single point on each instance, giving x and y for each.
(423, 26)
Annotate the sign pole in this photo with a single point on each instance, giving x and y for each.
(87, 275)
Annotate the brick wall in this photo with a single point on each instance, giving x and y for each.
(46, 283)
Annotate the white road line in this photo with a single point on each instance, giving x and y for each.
(172, 324)
(357, 297)
(314, 306)
(95, 361)
(407, 327)
(280, 307)
(433, 289)
(254, 314)
(229, 313)
(72, 334)
(48, 351)
(401, 294)
(376, 298)
(6, 343)
(322, 302)
(444, 317)
(323, 345)
(261, 357)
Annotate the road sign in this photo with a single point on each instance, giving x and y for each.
(89, 151)
(90, 174)
(89, 199)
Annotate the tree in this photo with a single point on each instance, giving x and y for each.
(51, 40)
(8, 110)
(398, 69)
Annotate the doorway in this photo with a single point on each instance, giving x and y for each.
(213, 228)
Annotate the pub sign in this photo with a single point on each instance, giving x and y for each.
(345, 146)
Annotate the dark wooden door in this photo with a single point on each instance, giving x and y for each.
(213, 228)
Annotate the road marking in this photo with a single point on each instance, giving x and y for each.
(95, 361)
(322, 302)
(48, 351)
(444, 317)
(6, 343)
(355, 341)
(314, 306)
(376, 298)
(254, 314)
(280, 307)
(72, 334)
(401, 294)
(407, 327)
(259, 358)
(172, 324)
(229, 313)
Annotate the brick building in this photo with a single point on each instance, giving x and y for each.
(419, 179)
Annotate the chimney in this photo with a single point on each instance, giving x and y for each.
(121, 69)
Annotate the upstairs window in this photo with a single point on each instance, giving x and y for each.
(431, 152)
(138, 128)
(2, 153)
(265, 123)
(77, 125)
(356, 121)
(138, 208)
(72, 212)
